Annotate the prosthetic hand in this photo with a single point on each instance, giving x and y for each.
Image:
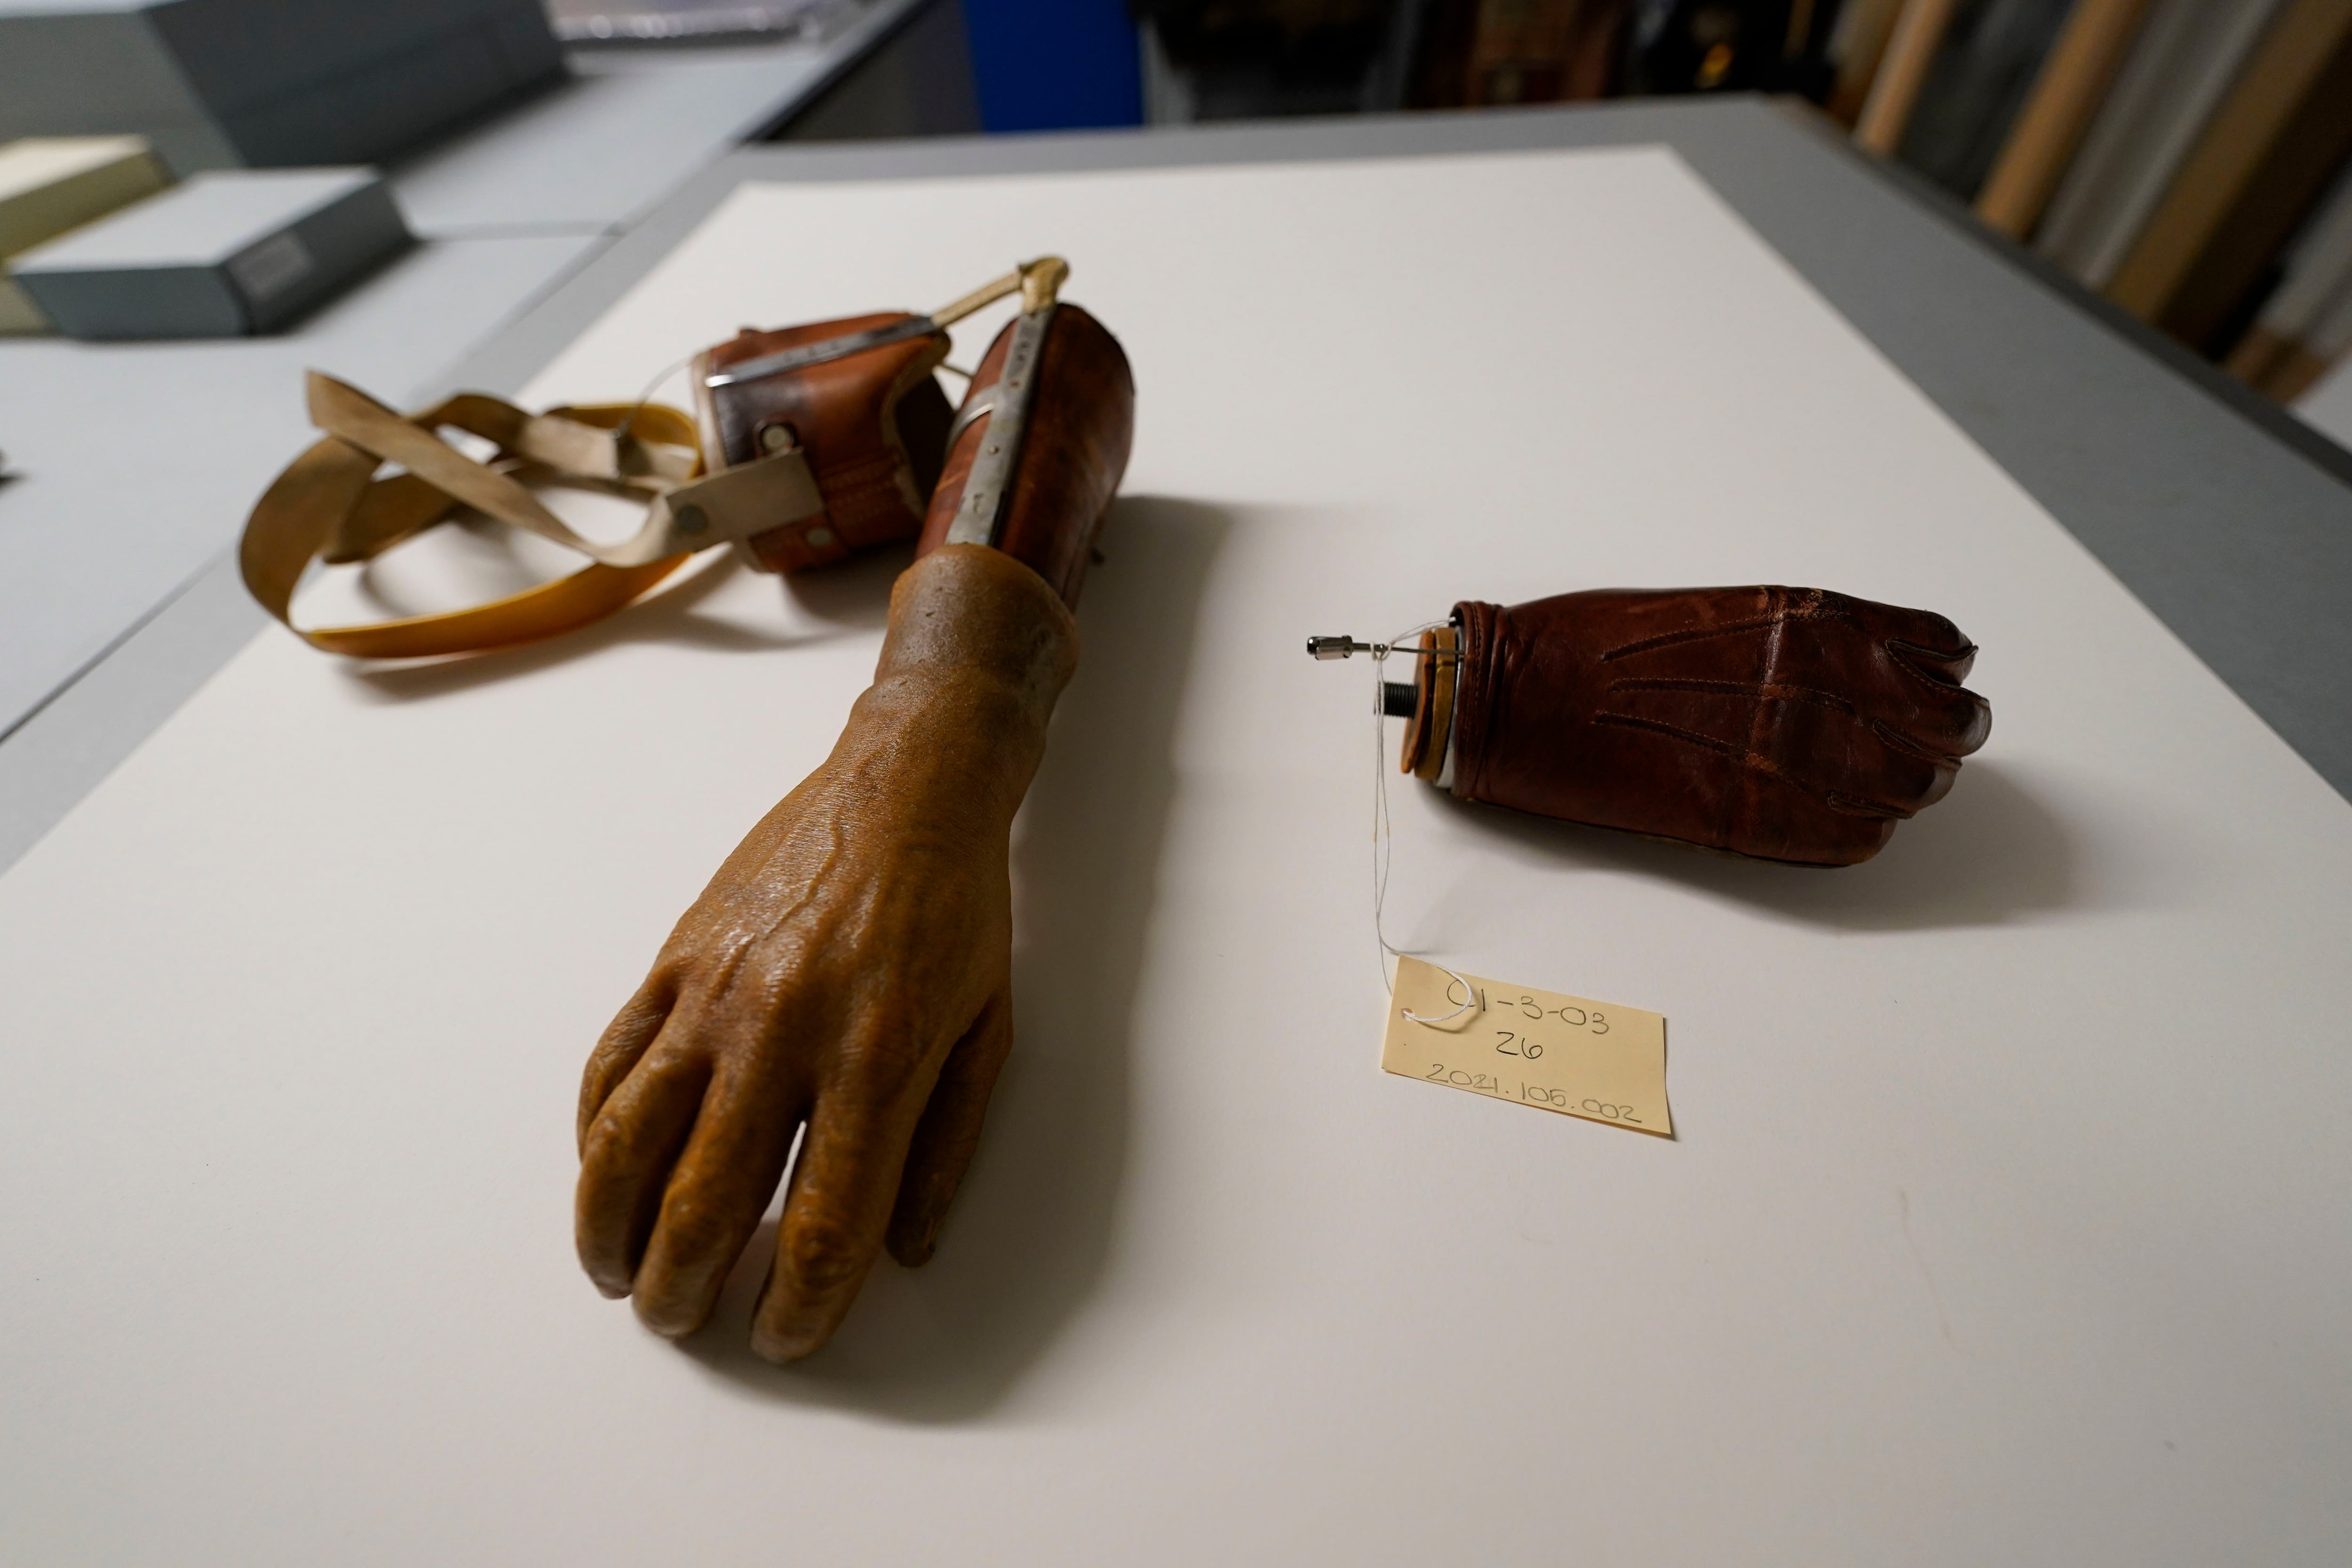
(849, 967)
(1783, 723)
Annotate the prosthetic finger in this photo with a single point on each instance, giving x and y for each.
(949, 1133)
(626, 1165)
(624, 1041)
(1935, 711)
(833, 1220)
(712, 1201)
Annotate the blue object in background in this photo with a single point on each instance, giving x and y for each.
(1053, 65)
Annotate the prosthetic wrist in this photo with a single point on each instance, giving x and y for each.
(978, 650)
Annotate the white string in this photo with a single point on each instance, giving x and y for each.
(1384, 838)
(647, 394)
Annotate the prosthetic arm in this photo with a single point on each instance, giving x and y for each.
(848, 969)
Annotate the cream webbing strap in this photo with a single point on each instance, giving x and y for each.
(330, 506)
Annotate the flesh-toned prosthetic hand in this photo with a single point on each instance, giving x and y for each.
(850, 965)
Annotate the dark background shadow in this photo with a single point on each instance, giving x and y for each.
(1032, 1228)
(1987, 853)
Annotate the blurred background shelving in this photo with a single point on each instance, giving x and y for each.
(2186, 159)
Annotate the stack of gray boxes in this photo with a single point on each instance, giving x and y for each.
(234, 85)
(223, 256)
(217, 84)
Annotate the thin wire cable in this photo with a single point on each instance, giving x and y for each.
(622, 432)
(1383, 837)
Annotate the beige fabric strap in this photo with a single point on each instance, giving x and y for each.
(330, 506)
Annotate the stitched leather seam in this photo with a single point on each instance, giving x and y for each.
(1902, 653)
(1630, 721)
(1903, 742)
(1698, 633)
(1836, 800)
(1738, 689)
(1739, 805)
(1854, 806)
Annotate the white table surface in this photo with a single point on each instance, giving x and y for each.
(2004, 1222)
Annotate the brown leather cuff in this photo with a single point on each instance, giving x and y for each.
(872, 424)
(1081, 423)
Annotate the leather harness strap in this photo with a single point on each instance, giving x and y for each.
(330, 506)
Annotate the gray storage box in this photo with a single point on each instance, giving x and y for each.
(265, 83)
(223, 256)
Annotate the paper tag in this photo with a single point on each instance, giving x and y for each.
(1568, 1054)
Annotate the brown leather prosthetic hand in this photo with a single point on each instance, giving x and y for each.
(1784, 723)
(848, 966)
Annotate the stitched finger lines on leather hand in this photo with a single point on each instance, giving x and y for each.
(1728, 628)
(1738, 689)
(1912, 744)
(1854, 806)
(1961, 720)
(1756, 761)
(1634, 721)
(1909, 655)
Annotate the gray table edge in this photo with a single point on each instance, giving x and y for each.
(2227, 517)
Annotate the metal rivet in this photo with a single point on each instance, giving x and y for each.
(779, 438)
(690, 519)
(995, 449)
(819, 538)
